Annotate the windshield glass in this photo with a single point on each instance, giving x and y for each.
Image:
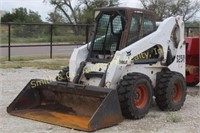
(108, 33)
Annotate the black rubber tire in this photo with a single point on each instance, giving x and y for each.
(170, 91)
(126, 92)
(63, 75)
(193, 84)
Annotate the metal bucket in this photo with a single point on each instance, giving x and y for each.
(76, 106)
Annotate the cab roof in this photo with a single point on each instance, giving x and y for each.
(129, 10)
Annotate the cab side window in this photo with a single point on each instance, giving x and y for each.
(133, 35)
(147, 26)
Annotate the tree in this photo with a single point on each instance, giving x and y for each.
(167, 8)
(84, 8)
(8, 17)
(21, 15)
(193, 23)
(82, 12)
(55, 17)
(65, 8)
(86, 15)
(33, 17)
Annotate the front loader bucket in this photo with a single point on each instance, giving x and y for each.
(80, 107)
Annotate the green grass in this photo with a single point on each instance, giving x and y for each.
(28, 58)
(38, 65)
(39, 62)
(69, 39)
(63, 36)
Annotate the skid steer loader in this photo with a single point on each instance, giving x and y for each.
(130, 59)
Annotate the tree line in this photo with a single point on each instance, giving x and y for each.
(83, 11)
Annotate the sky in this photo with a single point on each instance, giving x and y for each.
(44, 8)
(35, 5)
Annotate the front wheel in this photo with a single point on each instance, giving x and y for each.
(135, 95)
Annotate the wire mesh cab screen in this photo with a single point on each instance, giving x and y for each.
(108, 33)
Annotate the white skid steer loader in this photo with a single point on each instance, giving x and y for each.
(130, 59)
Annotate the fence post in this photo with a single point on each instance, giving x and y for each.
(187, 30)
(9, 41)
(51, 40)
(87, 33)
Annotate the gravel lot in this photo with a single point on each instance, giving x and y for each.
(187, 120)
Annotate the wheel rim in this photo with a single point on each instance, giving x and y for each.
(141, 96)
(177, 92)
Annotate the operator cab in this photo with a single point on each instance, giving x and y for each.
(116, 28)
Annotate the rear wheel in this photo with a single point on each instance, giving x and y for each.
(135, 95)
(170, 91)
(63, 75)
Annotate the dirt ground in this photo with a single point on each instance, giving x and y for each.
(187, 120)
